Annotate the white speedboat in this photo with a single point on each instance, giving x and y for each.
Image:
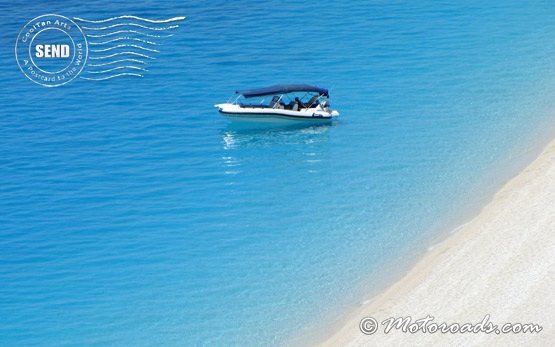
(292, 101)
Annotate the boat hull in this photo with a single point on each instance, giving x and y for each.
(235, 111)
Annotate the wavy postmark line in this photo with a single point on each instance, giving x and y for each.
(169, 20)
(131, 67)
(122, 53)
(128, 60)
(124, 46)
(111, 76)
(131, 25)
(123, 39)
(129, 39)
(128, 32)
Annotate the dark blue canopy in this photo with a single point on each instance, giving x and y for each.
(282, 88)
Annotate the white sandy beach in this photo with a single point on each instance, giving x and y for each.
(501, 263)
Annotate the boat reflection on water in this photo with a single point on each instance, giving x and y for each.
(253, 146)
(262, 134)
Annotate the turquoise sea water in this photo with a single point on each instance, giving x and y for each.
(132, 214)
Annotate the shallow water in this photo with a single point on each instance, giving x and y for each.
(133, 214)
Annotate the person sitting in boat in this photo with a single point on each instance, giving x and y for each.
(291, 105)
(299, 103)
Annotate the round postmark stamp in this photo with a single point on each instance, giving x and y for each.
(51, 50)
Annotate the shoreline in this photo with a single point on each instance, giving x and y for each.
(499, 262)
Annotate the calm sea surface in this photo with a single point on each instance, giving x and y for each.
(132, 214)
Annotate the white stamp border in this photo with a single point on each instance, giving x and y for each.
(85, 48)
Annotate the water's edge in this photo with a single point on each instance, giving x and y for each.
(321, 334)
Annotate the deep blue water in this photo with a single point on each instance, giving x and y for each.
(132, 214)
